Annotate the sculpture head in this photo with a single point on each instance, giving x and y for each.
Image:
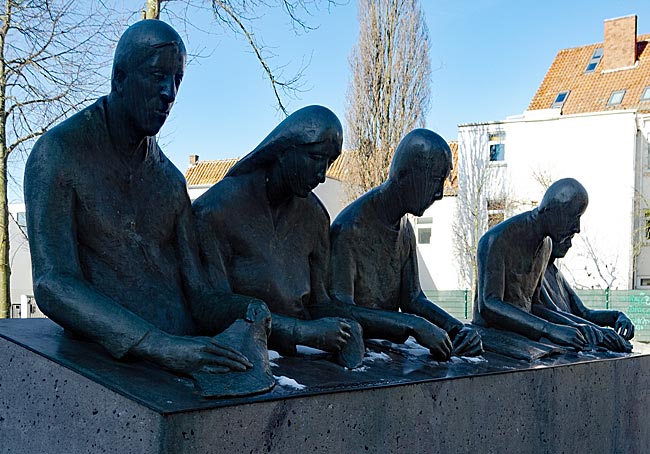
(148, 68)
(563, 204)
(300, 150)
(420, 166)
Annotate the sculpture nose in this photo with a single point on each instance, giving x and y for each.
(322, 172)
(168, 90)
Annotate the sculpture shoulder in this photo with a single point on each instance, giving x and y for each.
(350, 221)
(221, 199)
(508, 231)
(66, 144)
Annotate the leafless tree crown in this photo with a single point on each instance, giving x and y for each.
(53, 58)
(389, 90)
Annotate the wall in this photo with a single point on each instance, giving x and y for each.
(598, 150)
(436, 261)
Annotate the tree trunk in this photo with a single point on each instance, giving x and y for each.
(5, 270)
(152, 9)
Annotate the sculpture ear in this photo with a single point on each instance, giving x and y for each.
(117, 81)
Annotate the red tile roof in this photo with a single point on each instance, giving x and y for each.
(590, 92)
(207, 173)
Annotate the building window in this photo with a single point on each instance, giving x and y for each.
(594, 60)
(424, 220)
(616, 98)
(21, 220)
(497, 146)
(424, 236)
(645, 96)
(496, 210)
(559, 101)
(647, 224)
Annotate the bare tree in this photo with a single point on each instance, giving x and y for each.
(389, 90)
(51, 57)
(601, 268)
(471, 220)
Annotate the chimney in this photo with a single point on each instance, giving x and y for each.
(620, 43)
(194, 158)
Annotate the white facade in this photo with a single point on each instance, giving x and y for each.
(608, 153)
(19, 258)
(437, 264)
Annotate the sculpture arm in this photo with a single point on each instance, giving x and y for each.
(62, 292)
(213, 305)
(491, 290)
(342, 265)
(414, 301)
(376, 323)
(602, 317)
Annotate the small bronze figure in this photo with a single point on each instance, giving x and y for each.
(374, 262)
(263, 224)
(512, 257)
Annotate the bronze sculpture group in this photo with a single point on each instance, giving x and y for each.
(122, 258)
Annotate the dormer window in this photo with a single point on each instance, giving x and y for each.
(595, 59)
(645, 96)
(559, 100)
(616, 98)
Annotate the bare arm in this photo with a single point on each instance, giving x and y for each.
(491, 291)
(213, 305)
(414, 301)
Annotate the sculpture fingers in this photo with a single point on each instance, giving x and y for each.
(463, 341)
(474, 349)
(225, 351)
(211, 358)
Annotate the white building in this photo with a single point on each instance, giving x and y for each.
(590, 120)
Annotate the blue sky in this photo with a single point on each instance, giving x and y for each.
(488, 58)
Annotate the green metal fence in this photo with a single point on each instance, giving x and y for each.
(635, 303)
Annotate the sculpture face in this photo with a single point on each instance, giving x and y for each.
(427, 186)
(304, 167)
(566, 221)
(148, 91)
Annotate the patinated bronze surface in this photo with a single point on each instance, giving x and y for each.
(374, 263)
(560, 302)
(263, 224)
(512, 257)
(113, 250)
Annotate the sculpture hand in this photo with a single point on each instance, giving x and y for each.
(565, 335)
(329, 333)
(259, 313)
(468, 342)
(592, 334)
(614, 341)
(624, 326)
(435, 339)
(189, 354)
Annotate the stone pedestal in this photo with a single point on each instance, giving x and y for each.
(60, 395)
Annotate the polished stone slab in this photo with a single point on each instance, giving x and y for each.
(57, 392)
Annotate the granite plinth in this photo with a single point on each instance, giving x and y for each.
(59, 394)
